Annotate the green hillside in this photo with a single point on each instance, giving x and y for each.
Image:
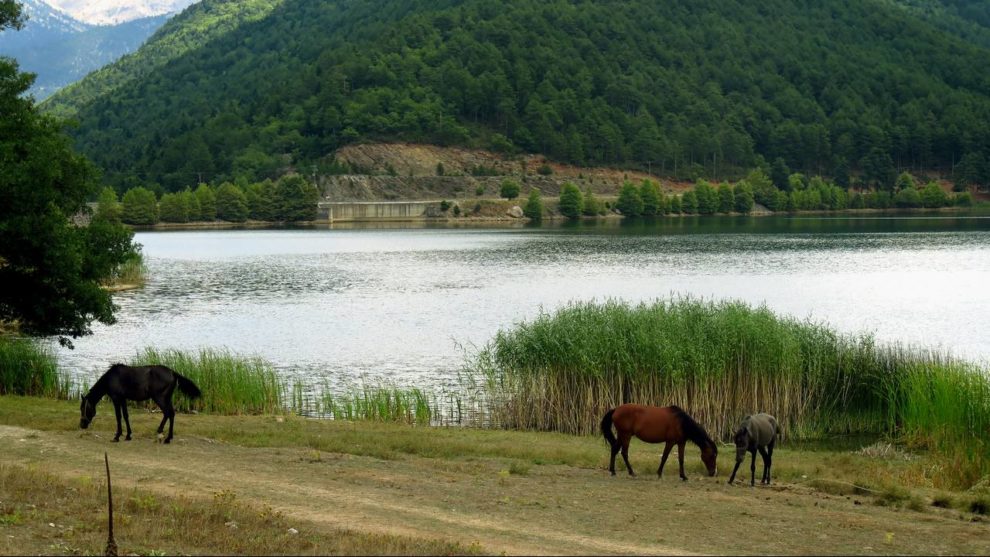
(696, 88)
(198, 25)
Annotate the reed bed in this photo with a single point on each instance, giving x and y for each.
(230, 384)
(132, 272)
(27, 368)
(381, 403)
(723, 360)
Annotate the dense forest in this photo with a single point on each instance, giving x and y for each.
(692, 88)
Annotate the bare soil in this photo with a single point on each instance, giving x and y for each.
(404, 171)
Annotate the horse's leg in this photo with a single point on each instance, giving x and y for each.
(127, 420)
(766, 465)
(769, 459)
(170, 412)
(752, 470)
(680, 458)
(116, 410)
(614, 448)
(663, 459)
(624, 439)
(161, 406)
(734, 469)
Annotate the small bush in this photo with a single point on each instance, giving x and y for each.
(444, 206)
(544, 170)
(510, 189)
(479, 191)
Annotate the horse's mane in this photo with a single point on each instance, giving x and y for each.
(693, 429)
(100, 386)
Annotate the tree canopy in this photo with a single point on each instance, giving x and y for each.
(51, 270)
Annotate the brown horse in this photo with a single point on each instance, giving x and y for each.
(656, 425)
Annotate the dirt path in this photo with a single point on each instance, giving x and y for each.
(549, 509)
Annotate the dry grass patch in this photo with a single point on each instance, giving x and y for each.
(43, 514)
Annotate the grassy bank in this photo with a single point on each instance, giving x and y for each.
(722, 361)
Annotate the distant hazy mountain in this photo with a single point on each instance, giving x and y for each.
(61, 49)
(104, 12)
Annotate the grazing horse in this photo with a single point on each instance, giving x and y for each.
(122, 383)
(656, 425)
(756, 433)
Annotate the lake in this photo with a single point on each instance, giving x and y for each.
(408, 305)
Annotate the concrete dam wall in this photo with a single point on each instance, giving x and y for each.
(378, 210)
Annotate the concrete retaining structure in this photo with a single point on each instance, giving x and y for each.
(378, 210)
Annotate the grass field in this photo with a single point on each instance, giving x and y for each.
(372, 487)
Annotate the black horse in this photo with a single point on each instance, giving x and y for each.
(122, 383)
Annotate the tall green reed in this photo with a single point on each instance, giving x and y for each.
(383, 403)
(230, 384)
(27, 368)
(722, 361)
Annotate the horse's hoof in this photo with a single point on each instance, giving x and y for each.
(167, 441)
(116, 440)
(128, 438)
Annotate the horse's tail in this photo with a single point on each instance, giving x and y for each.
(187, 387)
(607, 428)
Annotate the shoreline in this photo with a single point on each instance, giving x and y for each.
(964, 212)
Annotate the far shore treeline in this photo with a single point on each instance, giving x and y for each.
(292, 198)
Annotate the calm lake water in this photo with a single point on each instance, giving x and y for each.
(409, 305)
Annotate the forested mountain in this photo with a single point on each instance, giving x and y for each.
(696, 87)
(61, 49)
(191, 30)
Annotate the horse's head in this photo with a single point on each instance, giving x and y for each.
(87, 411)
(741, 439)
(708, 456)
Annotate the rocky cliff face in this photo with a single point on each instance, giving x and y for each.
(400, 171)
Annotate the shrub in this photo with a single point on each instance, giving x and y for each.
(743, 196)
(232, 204)
(726, 199)
(207, 199)
(649, 192)
(907, 198)
(534, 206)
(570, 201)
(591, 206)
(172, 208)
(139, 207)
(107, 205)
(630, 204)
(510, 189)
(544, 170)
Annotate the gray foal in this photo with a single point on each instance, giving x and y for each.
(756, 433)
